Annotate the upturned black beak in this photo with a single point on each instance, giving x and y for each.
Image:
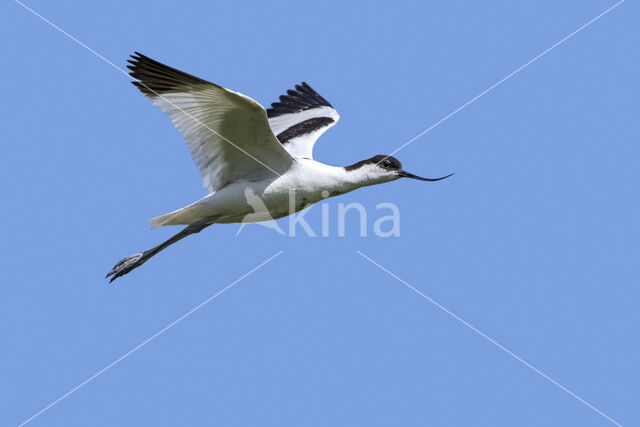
(405, 174)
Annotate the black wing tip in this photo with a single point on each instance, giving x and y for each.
(137, 57)
(304, 97)
(135, 60)
(155, 78)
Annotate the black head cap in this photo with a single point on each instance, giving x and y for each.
(385, 162)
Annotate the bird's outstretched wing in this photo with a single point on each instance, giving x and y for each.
(300, 118)
(228, 133)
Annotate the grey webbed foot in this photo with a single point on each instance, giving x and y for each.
(125, 265)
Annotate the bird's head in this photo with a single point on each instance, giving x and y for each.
(381, 168)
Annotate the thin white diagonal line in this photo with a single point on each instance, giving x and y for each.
(491, 340)
(507, 77)
(143, 343)
(147, 87)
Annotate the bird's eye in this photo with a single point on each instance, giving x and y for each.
(386, 163)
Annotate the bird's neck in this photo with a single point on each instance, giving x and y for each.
(335, 179)
(357, 176)
(346, 180)
(354, 178)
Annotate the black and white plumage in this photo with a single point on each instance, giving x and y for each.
(247, 154)
(228, 133)
(300, 118)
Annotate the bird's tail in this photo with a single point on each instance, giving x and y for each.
(184, 216)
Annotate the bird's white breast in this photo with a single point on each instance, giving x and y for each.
(305, 183)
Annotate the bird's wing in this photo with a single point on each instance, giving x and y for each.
(228, 133)
(300, 118)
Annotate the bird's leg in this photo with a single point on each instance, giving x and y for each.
(125, 265)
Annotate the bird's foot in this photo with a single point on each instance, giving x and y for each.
(125, 265)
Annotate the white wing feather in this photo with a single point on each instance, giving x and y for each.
(300, 118)
(228, 133)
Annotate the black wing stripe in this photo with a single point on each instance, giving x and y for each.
(304, 128)
(295, 101)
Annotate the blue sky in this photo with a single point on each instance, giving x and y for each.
(534, 241)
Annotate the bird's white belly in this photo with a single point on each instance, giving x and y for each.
(254, 201)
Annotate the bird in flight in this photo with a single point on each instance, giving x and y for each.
(239, 148)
